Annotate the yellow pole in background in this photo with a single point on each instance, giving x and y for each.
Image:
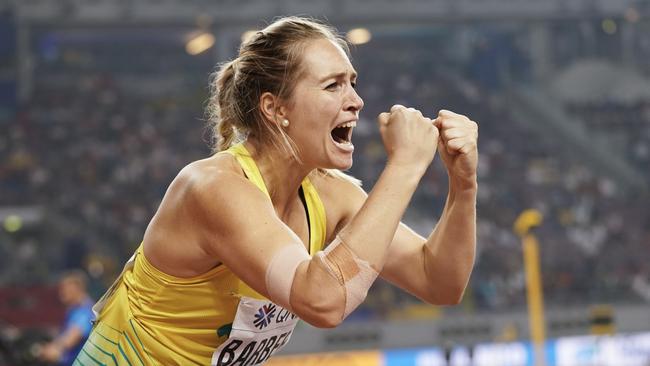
(526, 221)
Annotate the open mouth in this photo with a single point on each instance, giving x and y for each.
(342, 134)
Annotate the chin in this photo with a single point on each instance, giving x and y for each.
(337, 160)
(342, 164)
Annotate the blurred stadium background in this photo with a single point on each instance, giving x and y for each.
(101, 103)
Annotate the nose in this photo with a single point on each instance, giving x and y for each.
(353, 102)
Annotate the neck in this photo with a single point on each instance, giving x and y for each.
(282, 175)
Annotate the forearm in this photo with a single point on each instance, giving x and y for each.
(357, 255)
(450, 249)
(371, 230)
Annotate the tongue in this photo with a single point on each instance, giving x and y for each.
(343, 145)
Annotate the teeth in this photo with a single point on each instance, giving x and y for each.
(347, 125)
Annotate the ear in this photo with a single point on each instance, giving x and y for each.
(272, 108)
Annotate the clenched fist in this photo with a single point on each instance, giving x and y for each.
(409, 137)
(458, 146)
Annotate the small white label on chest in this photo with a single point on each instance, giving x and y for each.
(260, 329)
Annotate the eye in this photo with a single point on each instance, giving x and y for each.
(354, 84)
(332, 86)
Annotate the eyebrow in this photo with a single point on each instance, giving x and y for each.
(336, 75)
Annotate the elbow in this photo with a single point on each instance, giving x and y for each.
(322, 305)
(446, 288)
(447, 295)
(320, 311)
(323, 320)
(453, 297)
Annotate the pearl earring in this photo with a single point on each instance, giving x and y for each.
(285, 123)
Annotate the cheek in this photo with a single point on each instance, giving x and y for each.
(331, 105)
(318, 112)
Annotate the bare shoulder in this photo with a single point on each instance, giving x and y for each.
(216, 184)
(204, 205)
(342, 196)
(202, 177)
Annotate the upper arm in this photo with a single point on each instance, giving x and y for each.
(241, 229)
(82, 319)
(239, 225)
(404, 266)
(78, 327)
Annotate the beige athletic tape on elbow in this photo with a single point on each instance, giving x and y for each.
(281, 272)
(353, 273)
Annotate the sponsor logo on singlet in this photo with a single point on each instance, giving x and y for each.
(264, 315)
(259, 330)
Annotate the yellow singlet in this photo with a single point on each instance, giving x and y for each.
(151, 318)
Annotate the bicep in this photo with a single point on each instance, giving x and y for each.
(246, 235)
(82, 320)
(242, 229)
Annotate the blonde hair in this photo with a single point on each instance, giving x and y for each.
(269, 61)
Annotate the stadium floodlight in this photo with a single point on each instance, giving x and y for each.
(359, 36)
(200, 43)
(247, 35)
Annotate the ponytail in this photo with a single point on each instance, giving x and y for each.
(223, 111)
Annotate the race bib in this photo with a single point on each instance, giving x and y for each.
(260, 329)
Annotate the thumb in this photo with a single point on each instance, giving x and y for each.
(441, 146)
(437, 122)
(444, 153)
(382, 119)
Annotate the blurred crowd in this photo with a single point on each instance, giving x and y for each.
(595, 238)
(97, 143)
(627, 126)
